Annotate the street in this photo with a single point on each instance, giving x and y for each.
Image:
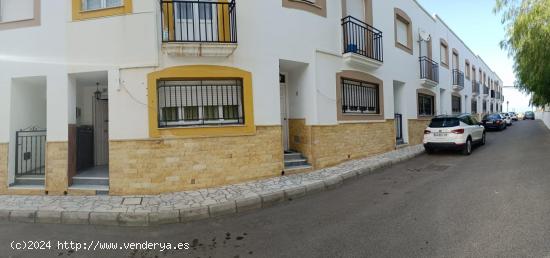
(495, 202)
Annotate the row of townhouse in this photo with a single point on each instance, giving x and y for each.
(155, 96)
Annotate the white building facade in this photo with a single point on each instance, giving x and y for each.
(151, 96)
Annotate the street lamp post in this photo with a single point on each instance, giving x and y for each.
(507, 106)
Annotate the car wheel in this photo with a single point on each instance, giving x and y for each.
(467, 147)
(483, 139)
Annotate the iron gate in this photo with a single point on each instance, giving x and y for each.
(30, 153)
(399, 128)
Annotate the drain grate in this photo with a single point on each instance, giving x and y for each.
(132, 201)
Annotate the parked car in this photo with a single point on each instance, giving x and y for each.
(453, 132)
(513, 115)
(520, 116)
(494, 121)
(507, 118)
(529, 115)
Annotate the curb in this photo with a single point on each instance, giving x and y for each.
(216, 210)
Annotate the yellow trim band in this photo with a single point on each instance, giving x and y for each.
(200, 72)
(78, 14)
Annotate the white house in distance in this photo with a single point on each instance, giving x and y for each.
(154, 96)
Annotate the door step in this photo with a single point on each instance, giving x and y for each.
(87, 180)
(295, 161)
(29, 180)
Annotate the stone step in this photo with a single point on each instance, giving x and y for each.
(29, 180)
(293, 155)
(295, 168)
(295, 162)
(80, 180)
(97, 188)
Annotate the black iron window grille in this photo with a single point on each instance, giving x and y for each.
(360, 97)
(456, 103)
(361, 38)
(426, 104)
(200, 102)
(429, 69)
(199, 21)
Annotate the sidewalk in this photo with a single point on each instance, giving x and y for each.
(190, 205)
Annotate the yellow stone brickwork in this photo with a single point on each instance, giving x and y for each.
(300, 137)
(56, 167)
(332, 145)
(416, 130)
(169, 165)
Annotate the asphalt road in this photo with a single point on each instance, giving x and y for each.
(495, 202)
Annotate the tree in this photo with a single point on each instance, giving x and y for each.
(527, 24)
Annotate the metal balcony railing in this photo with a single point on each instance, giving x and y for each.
(458, 78)
(475, 87)
(361, 38)
(429, 69)
(198, 22)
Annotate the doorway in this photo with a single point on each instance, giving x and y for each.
(284, 110)
(90, 136)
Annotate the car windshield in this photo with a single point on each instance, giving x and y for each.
(444, 122)
(492, 117)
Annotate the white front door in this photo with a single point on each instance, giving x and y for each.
(356, 8)
(101, 133)
(284, 113)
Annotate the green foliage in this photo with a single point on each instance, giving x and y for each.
(527, 41)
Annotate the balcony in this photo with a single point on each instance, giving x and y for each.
(193, 28)
(362, 44)
(485, 91)
(429, 72)
(458, 80)
(475, 88)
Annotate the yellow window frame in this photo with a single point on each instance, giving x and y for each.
(79, 14)
(194, 72)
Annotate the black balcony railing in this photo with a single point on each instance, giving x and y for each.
(429, 69)
(361, 38)
(458, 78)
(194, 21)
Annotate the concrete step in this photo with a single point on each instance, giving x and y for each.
(290, 170)
(81, 180)
(293, 155)
(97, 188)
(29, 180)
(295, 162)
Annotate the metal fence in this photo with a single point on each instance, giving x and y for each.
(200, 102)
(458, 78)
(359, 97)
(30, 152)
(361, 38)
(196, 21)
(429, 69)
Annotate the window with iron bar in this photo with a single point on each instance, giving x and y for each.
(359, 97)
(206, 102)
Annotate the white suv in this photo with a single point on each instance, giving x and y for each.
(453, 132)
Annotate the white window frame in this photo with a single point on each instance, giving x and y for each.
(84, 8)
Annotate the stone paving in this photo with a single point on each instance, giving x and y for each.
(190, 205)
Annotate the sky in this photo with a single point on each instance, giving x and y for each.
(474, 22)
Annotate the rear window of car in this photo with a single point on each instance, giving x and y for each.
(444, 122)
(492, 117)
